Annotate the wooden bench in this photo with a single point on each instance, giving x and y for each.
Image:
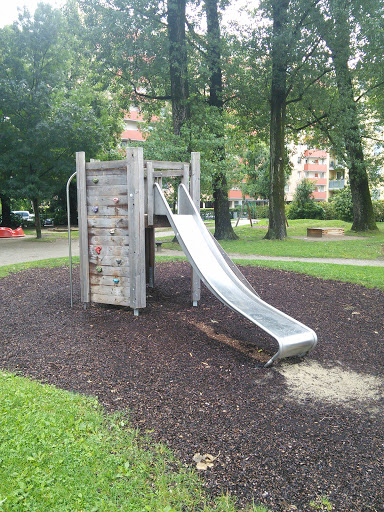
(320, 232)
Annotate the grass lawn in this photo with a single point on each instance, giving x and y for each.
(60, 452)
(251, 241)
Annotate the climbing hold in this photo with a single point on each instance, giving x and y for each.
(116, 200)
(98, 269)
(95, 209)
(116, 280)
(118, 262)
(112, 231)
(95, 180)
(98, 249)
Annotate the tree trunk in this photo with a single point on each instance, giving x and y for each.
(178, 64)
(363, 214)
(339, 41)
(277, 227)
(223, 226)
(5, 211)
(36, 211)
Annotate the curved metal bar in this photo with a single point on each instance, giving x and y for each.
(69, 234)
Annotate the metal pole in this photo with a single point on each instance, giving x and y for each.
(69, 235)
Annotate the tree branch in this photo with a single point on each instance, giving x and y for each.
(368, 91)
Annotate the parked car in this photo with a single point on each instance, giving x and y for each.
(25, 217)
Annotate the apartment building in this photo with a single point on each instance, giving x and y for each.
(318, 166)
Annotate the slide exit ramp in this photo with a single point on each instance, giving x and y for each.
(226, 282)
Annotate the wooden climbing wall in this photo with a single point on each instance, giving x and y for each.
(112, 230)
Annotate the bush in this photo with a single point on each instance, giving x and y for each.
(342, 204)
(329, 210)
(378, 209)
(60, 218)
(310, 210)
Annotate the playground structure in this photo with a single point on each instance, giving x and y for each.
(120, 203)
(11, 233)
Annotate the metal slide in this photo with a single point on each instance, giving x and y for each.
(223, 278)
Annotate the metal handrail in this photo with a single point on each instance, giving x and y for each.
(69, 235)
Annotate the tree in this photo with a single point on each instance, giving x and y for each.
(338, 23)
(49, 107)
(282, 63)
(155, 61)
(223, 226)
(303, 205)
(256, 170)
(277, 228)
(178, 64)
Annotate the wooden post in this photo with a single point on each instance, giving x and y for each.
(136, 226)
(150, 198)
(150, 255)
(195, 194)
(185, 177)
(83, 226)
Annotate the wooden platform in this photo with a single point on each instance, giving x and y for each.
(320, 232)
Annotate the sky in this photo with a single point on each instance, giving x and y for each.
(8, 8)
(9, 13)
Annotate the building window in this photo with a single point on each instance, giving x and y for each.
(299, 159)
(316, 174)
(299, 174)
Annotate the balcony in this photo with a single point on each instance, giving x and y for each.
(336, 184)
(315, 167)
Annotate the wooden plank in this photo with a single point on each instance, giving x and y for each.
(107, 211)
(108, 222)
(111, 164)
(106, 178)
(135, 187)
(119, 232)
(115, 291)
(83, 228)
(114, 251)
(109, 265)
(111, 240)
(112, 190)
(168, 173)
(107, 280)
(149, 195)
(159, 164)
(195, 194)
(110, 299)
(150, 256)
(185, 178)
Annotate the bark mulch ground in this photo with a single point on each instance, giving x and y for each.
(194, 378)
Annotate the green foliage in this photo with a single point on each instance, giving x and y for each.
(310, 210)
(303, 205)
(342, 205)
(256, 170)
(329, 210)
(378, 208)
(50, 107)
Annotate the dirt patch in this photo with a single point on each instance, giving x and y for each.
(186, 378)
(333, 385)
